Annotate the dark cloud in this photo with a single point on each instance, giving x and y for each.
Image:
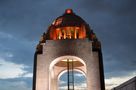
(25, 18)
(114, 22)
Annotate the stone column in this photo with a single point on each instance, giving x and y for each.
(93, 75)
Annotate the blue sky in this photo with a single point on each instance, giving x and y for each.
(22, 22)
(79, 81)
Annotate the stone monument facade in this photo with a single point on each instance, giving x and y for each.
(68, 45)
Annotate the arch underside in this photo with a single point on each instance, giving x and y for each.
(66, 64)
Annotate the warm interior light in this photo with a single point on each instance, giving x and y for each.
(68, 32)
(70, 60)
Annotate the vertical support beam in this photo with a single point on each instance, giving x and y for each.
(68, 74)
(72, 74)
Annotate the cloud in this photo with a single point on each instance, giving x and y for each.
(14, 85)
(109, 82)
(22, 22)
(12, 70)
(62, 82)
(77, 86)
(115, 81)
(5, 35)
(15, 48)
(118, 64)
(78, 75)
(30, 75)
(79, 81)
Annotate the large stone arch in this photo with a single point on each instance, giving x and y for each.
(58, 66)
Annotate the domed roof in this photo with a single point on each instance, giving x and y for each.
(69, 26)
(69, 18)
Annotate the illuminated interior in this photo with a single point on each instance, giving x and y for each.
(71, 32)
(63, 63)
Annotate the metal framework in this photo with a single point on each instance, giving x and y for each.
(70, 74)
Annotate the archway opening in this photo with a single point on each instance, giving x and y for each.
(79, 82)
(71, 66)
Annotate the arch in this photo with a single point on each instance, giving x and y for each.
(56, 68)
(65, 57)
(80, 81)
(64, 71)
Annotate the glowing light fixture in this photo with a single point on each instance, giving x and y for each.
(70, 60)
(68, 11)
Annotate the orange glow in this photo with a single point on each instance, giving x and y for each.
(70, 60)
(68, 11)
(69, 32)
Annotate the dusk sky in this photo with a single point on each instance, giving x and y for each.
(22, 22)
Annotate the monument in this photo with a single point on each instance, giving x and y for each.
(68, 45)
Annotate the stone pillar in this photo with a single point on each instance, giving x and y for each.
(93, 75)
(42, 74)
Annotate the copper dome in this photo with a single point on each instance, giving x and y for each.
(68, 26)
(69, 18)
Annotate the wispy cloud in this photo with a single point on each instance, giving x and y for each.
(6, 35)
(14, 85)
(79, 86)
(78, 75)
(115, 81)
(10, 70)
(62, 82)
(27, 75)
